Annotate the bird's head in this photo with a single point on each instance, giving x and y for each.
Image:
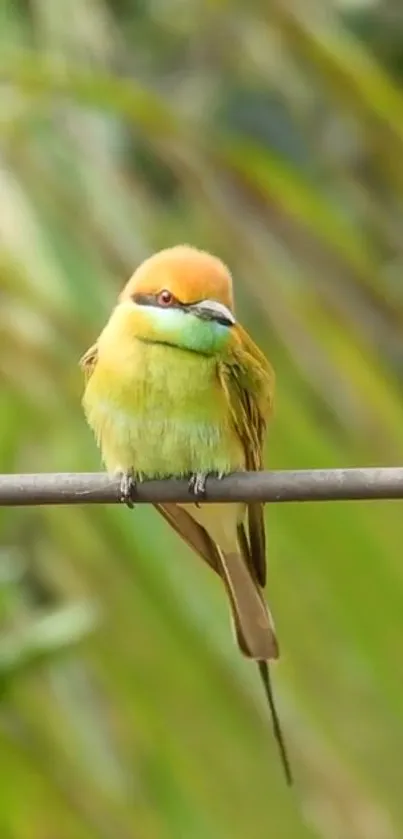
(182, 297)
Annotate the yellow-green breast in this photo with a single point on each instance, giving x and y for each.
(160, 410)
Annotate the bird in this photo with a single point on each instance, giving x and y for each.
(175, 386)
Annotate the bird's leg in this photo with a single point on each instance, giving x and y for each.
(128, 488)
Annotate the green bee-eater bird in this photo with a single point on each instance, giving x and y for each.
(175, 386)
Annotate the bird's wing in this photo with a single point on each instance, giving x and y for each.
(248, 380)
(89, 360)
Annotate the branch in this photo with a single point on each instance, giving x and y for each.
(303, 485)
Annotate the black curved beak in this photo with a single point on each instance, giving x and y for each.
(212, 310)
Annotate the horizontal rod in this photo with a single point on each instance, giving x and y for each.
(302, 485)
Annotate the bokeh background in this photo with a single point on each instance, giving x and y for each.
(272, 134)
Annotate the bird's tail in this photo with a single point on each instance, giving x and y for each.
(252, 620)
(255, 632)
(278, 734)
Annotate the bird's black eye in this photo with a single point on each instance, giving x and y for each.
(165, 298)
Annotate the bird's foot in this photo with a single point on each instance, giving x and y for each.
(197, 483)
(128, 489)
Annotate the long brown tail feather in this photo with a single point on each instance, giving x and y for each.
(257, 568)
(278, 734)
(198, 539)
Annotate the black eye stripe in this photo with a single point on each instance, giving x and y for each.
(195, 308)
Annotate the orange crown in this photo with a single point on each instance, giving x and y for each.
(190, 275)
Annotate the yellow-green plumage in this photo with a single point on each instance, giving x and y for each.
(160, 410)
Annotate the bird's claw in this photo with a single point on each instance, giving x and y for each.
(127, 489)
(197, 485)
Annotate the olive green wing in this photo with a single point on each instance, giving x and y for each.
(248, 380)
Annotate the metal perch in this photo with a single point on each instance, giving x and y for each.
(278, 486)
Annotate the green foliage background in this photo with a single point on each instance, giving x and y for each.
(272, 134)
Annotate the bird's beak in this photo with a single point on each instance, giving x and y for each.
(213, 310)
